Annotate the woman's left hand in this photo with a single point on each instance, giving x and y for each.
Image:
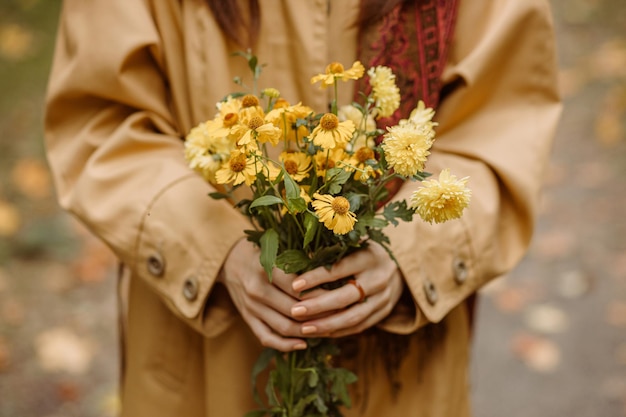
(349, 310)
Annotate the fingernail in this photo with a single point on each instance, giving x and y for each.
(298, 284)
(309, 329)
(298, 311)
(300, 346)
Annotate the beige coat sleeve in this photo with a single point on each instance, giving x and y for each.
(116, 155)
(496, 126)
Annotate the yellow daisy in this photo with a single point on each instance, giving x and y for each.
(239, 168)
(359, 160)
(330, 132)
(297, 164)
(406, 148)
(250, 108)
(260, 131)
(230, 105)
(384, 90)
(336, 71)
(334, 212)
(285, 116)
(325, 160)
(441, 200)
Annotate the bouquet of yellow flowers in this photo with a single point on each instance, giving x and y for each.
(319, 191)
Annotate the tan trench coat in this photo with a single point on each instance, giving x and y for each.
(131, 77)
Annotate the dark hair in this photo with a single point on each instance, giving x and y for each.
(242, 26)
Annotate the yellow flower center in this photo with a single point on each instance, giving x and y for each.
(291, 167)
(238, 163)
(340, 205)
(281, 103)
(334, 68)
(329, 121)
(249, 100)
(255, 122)
(230, 119)
(364, 154)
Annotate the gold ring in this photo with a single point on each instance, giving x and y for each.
(358, 287)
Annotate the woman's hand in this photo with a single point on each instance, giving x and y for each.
(338, 312)
(265, 307)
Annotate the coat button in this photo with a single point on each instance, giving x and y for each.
(190, 288)
(431, 292)
(156, 265)
(460, 270)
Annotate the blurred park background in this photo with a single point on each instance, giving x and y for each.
(550, 337)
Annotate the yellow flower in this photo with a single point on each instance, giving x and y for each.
(206, 147)
(329, 159)
(406, 148)
(239, 168)
(443, 199)
(334, 212)
(270, 92)
(359, 160)
(422, 115)
(336, 71)
(285, 116)
(260, 131)
(297, 164)
(363, 125)
(230, 105)
(250, 108)
(330, 132)
(384, 90)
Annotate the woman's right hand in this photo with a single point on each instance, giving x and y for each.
(264, 306)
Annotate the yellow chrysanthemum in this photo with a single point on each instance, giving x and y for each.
(384, 89)
(206, 147)
(330, 132)
(239, 168)
(325, 160)
(441, 200)
(297, 164)
(335, 71)
(334, 212)
(285, 116)
(406, 148)
(250, 108)
(422, 115)
(363, 125)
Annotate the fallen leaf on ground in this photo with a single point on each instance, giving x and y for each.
(573, 284)
(61, 350)
(546, 319)
(554, 244)
(10, 219)
(512, 300)
(609, 60)
(31, 177)
(12, 312)
(16, 41)
(5, 356)
(95, 262)
(616, 314)
(68, 391)
(537, 353)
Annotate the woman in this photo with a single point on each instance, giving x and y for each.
(131, 78)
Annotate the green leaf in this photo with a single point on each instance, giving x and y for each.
(269, 250)
(301, 405)
(398, 210)
(256, 413)
(293, 261)
(218, 196)
(371, 221)
(311, 224)
(266, 200)
(336, 177)
(296, 205)
(292, 189)
(260, 365)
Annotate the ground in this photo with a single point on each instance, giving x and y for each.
(550, 338)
